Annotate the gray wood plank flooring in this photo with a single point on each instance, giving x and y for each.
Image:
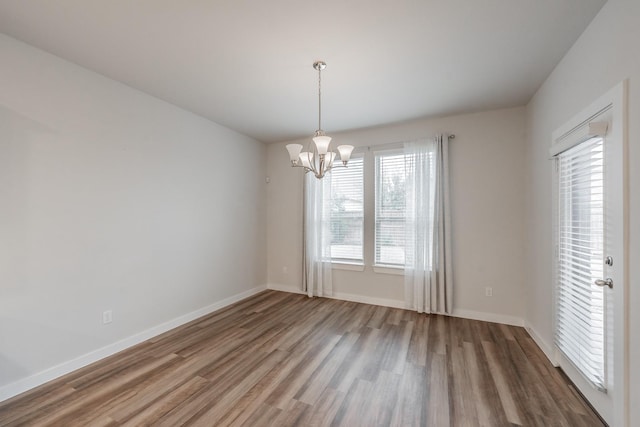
(280, 359)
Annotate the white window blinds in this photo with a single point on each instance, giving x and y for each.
(580, 303)
(347, 211)
(390, 186)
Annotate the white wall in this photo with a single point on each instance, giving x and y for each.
(487, 203)
(112, 199)
(603, 56)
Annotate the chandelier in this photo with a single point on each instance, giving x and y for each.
(318, 158)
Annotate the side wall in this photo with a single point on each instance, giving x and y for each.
(605, 54)
(112, 200)
(487, 203)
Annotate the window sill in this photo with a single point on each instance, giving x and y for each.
(385, 269)
(347, 266)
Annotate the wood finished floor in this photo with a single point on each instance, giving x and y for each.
(283, 359)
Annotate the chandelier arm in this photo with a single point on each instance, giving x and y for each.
(306, 169)
(311, 149)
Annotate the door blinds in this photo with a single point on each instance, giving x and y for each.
(580, 303)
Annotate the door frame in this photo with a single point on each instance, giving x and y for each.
(616, 101)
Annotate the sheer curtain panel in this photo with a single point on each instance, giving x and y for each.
(316, 267)
(428, 272)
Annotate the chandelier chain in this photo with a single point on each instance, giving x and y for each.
(319, 98)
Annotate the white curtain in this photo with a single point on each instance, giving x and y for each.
(316, 279)
(428, 276)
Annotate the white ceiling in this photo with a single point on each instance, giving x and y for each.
(248, 64)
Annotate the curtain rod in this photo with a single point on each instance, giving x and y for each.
(390, 145)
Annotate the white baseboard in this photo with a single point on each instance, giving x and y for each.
(488, 317)
(285, 288)
(54, 372)
(368, 300)
(544, 346)
(466, 314)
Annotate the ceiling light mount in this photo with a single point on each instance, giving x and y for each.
(319, 65)
(319, 158)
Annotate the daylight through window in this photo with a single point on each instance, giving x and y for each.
(347, 211)
(390, 208)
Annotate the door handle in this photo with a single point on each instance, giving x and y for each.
(606, 282)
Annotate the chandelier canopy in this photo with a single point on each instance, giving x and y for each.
(318, 158)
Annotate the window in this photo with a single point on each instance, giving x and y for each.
(394, 172)
(390, 209)
(347, 212)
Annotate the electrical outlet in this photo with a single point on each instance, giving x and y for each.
(488, 292)
(107, 317)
